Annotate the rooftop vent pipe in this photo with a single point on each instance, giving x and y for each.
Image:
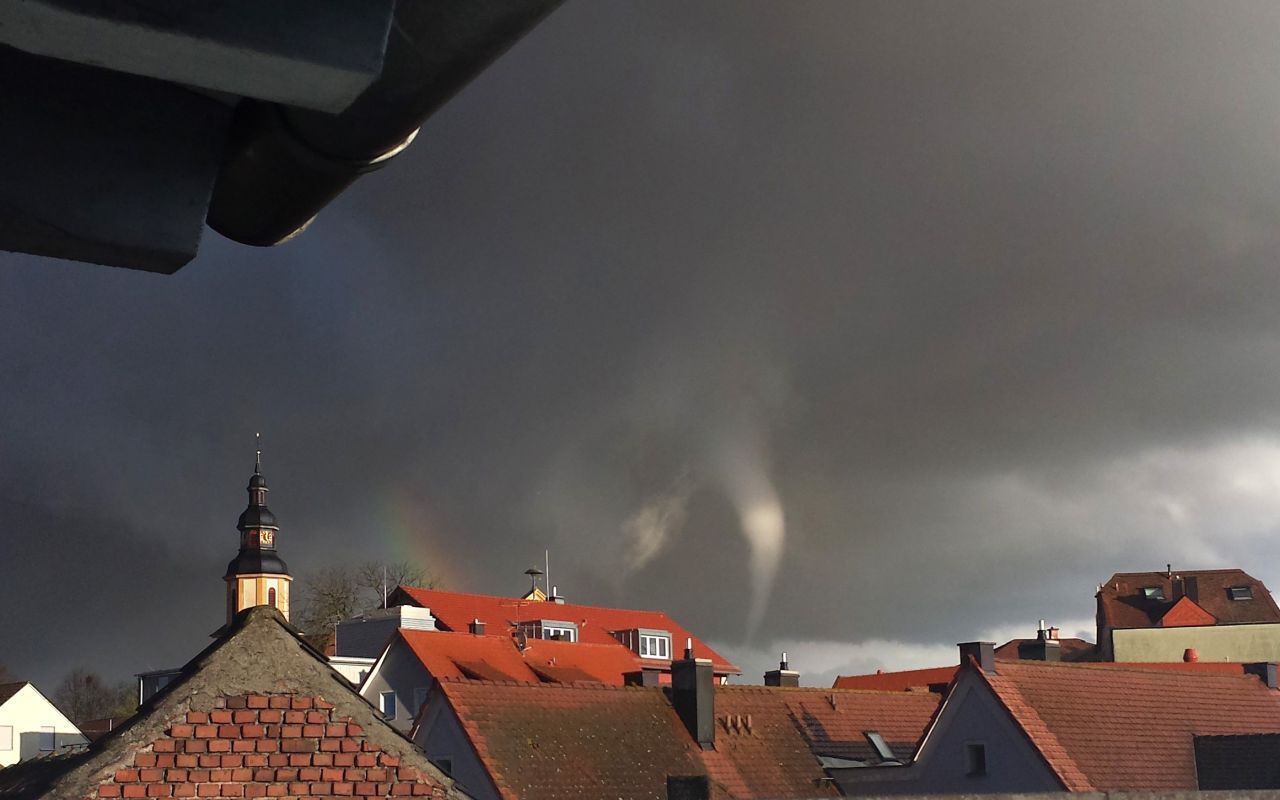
(284, 164)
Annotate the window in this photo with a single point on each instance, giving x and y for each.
(387, 702)
(550, 629)
(48, 739)
(554, 631)
(655, 645)
(1153, 592)
(6, 737)
(1241, 592)
(271, 597)
(975, 759)
(881, 746)
(419, 699)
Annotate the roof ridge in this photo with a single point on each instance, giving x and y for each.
(1042, 737)
(1141, 667)
(536, 602)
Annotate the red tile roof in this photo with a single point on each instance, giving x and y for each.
(1070, 649)
(596, 625)
(1122, 604)
(496, 658)
(1117, 727)
(768, 738)
(1186, 612)
(551, 741)
(898, 681)
(937, 678)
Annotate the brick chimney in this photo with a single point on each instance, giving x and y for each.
(984, 653)
(783, 675)
(693, 696)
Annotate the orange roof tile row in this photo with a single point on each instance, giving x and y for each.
(496, 658)
(596, 625)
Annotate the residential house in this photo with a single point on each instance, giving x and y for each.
(651, 636)
(1220, 614)
(1030, 726)
(256, 714)
(31, 726)
(528, 741)
(399, 682)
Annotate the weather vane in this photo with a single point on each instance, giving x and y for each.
(257, 457)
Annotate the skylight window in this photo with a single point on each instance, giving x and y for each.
(1241, 592)
(1153, 592)
(881, 746)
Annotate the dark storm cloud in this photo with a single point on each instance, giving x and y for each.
(984, 292)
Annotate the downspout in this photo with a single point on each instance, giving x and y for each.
(284, 164)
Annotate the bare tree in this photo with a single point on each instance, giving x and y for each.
(84, 696)
(6, 676)
(335, 593)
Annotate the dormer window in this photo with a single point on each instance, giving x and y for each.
(655, 645)
(1241, 592)
(1153, 592)
(647, 642)
(550, 629)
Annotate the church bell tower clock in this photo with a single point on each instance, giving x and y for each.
(257, 576)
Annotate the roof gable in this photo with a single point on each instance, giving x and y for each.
(596, 624)
(8, 690)
(1116, 727)
(1186, 613)
(257, 663)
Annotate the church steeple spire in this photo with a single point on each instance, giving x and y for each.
(257, 576)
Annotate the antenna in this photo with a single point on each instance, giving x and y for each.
(547, 554)
(384, 586)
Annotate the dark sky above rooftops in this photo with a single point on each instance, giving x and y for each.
(946, 311)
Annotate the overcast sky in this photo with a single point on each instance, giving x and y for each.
(855, 329)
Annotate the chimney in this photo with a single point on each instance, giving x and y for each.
(1265, 670)
(984, 653)
(1045, 648)
(783, 675)
(556, 597)
(476, 627)
(1190, 655)
(688, 787)
(642, 677)
(692, 695)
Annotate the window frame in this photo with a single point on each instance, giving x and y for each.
(1153, 592)
(1240, 593)
(382, 704)
(652, 644)
(976, 763)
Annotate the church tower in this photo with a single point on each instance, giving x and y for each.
(257, 576)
